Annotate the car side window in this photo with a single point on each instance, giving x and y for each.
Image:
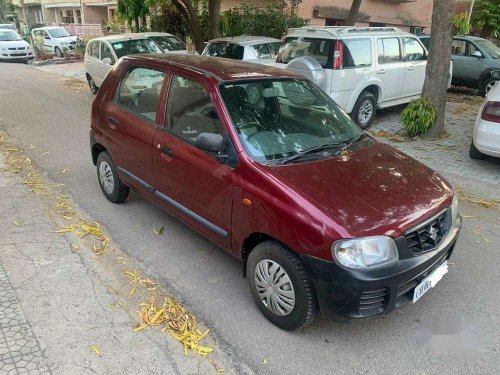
(458, 47)
(357, 53)
(140, 91)
(46, 35)
(274, 48)
(261, 51)
(106, 52)
(471, 48)
(94, 50)
(388, 50)
(413, 50)
(190, 110)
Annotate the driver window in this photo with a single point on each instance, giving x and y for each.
(106, 52)
(190, 110)
(471, 49)
(413, 50)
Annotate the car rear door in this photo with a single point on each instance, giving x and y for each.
(415, 59)
(130, 123)
(390, 67)
(91, 61)
(191, 183)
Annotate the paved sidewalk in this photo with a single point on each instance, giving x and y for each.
(450, 156)
(74, 70)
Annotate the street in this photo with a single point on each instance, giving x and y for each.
(38, 109)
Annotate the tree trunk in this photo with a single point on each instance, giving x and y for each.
(136, 20)
(353, 13)
(213, 19)
(438, 63)
(188, 12)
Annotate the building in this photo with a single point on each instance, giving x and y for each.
(409, 15)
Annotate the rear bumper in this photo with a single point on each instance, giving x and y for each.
(487, 137)
(359, 294)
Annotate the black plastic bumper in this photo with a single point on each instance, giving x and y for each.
(363, 293)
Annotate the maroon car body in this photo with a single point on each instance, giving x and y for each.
(371, 189)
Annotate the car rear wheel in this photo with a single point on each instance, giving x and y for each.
(92, 85)
(474, 153)
(281, 286)
(365, 109)
(488, 85)
(111, 185)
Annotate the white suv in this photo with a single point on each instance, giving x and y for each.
(362, 69)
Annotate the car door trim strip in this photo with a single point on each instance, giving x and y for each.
(214, 228)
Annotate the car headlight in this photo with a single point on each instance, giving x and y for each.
(454, 209)
(365, 252)
(3, 48)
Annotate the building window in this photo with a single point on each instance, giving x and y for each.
(38, 16)
(334, 22)
(417, 30)
(67, 16)
(377, 24)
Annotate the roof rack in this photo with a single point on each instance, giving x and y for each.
(365, 29)
(337, 30)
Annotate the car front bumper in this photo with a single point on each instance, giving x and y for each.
(20, 55)
(354, 293)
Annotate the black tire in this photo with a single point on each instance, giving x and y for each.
(359, 110)
(119, 192)
(93, 87)
(474, 153)
(305, 307)
(254, 93)
(485, 84)
(59, 52)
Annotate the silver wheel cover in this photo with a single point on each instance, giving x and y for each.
(106, 177)
(489, 86)
(274, 287)
(365, 112)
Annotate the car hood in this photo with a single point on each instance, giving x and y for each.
(373, 190)
(14, 44)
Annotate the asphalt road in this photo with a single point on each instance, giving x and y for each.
(38, 110)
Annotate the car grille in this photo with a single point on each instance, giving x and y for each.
(428, 236)
(372, 301)
(16, 49)
(18, 54)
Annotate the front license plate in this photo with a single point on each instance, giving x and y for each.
(430, 281)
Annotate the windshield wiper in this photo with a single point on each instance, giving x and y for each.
(310, 150)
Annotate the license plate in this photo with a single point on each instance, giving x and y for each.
(430, 281)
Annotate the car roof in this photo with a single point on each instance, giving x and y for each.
(245, 40)
(154, 33)
(335, 32)
(471, 37)
(48, 28)
(221, 68)
(119, 37)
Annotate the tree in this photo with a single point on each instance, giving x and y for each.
(6, 7)
(133, 10)
(353, 13)
(438, 63)
(486, 16)
(213, 19)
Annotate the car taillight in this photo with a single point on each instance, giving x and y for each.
(491, 112)
(338, 54)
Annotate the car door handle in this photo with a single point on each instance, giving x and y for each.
(411, 68)
(381, 71)
(112, 122)
(164, 150)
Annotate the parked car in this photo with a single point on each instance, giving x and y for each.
(13, 46)
(9, 26)
(322, 215)
(101, 53)
(361, 68)
(55, 40)
(486, 136)
(473, 59)
(257, 49)
(167, 42)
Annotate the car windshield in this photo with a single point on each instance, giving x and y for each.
(489, 48)
(135, 46)
(9, 35)
(227, 50)
(169, 43)
(59, 33)
(298, 47)
(279, 118)
(7, 26)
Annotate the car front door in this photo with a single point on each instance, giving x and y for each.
(390, 68)
(48, 43)
(191, 183)
(466, 67)
(416, 61)
(130, 122)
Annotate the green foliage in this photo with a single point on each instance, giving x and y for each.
(272, 21)
(461, 24)
(168, 19)
(486, 16)
(418, 117)
(132, 10)
(6, 7)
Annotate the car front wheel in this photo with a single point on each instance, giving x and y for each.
(281, 286)
(111, 185)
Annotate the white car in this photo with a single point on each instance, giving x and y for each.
(166, 41)
(8, 26)
(486, 136)
(55, 40)
(361, 68)
(257, 49)
(13, 46)
(101, 53)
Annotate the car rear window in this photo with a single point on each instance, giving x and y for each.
(226, 50)
(135, 46)
(320, 49)
(357, 53)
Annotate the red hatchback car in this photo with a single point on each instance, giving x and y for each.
(323, 216)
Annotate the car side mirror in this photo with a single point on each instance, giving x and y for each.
(47, 37)
(495, 74)
(107, 61)
(477, 54)
(210, 142)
